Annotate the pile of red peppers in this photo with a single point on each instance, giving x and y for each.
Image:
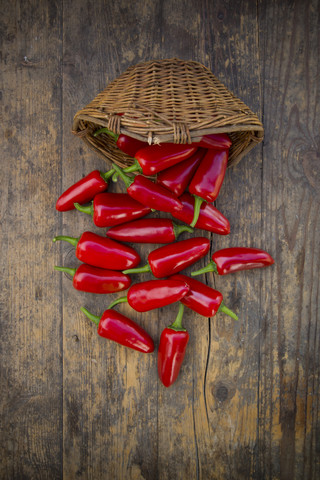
(183, 181)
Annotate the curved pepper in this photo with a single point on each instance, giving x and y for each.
(208, 179)
(125, 143)
(83, 191)
(102, 252)
(121, 329)
(87, 278)
(148, 193)
(109, 209)
(177, 178)
(155, 158)
(173, 258)
(152, 294)
(148, 230)
(203, 299)
(217, 141)
(172, 349)
(234, 259)
(209, 219)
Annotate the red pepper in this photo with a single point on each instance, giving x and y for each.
(102, 252)
(83, 191)
(155, 158)
(109, 209)
(174, 257)
(203, 299)
(148, 230)
(229, 260)
(209, 219)
(87, 278)
(177, 178)
(145, 296)
(125, 143)
(208, 179)
(115, 326)
(172, 349)
(217, 141)
(148, 193)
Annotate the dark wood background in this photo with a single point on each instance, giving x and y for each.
(246, 404)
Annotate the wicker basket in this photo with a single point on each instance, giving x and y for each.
(167, 101)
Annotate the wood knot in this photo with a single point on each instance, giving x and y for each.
(223, 390)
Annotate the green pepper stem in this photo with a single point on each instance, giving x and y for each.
(107, 175)
(118, 300)
(127, 180)
(71, 240)
(178, 229)
(106, 130)
(70, 271)
(135, 167)
(227, 310)
(95, 319)
(84, 208)
(146, 268)
(211, 267)
(196, 211)
(177, 324)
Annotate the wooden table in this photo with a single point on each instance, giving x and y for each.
(246, 403)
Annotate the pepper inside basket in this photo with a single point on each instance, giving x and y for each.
(164, 101)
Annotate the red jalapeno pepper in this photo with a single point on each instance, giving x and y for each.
(209, 219)
(177, 178)
(83, 191)
(172, 348)
(217, 141)
(148, 193)
(155, 158)
(208, 179)
(152, 294)
(121, 329)
(203, 299)
(173, 258)
(234, 259)
(102, 252)
(87, 278)
(125, 143)
(109, 209)
(148, 230)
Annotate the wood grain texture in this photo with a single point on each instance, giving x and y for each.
(246, 403)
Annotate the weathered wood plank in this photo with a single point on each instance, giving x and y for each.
(30, 342)
(289, 391)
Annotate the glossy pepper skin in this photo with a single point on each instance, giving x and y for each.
(82, 191)
(155, 158)
(87, 278)
(210, 218)
(203, 299)
(177, 178)
(173, 258)
(152, 294)
(109, 209)
(148, 230)
(145, 191)
(171, 352)
(234, 259)
(125, 143)
(208, 179)
(217, 141)
(102, 252)
(121, 329)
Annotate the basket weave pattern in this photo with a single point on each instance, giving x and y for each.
(167, 101)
